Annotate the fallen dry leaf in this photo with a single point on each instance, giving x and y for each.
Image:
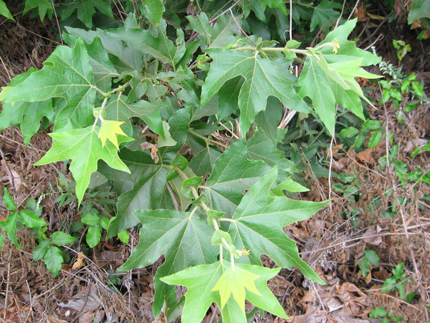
(79, 262)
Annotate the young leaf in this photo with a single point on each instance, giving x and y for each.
(182, 237)
(258, 223)
(109, 130)
(91, 219)
(94, 235)
(31, 220)
(8, 201)
(86, 9)
(53, 260)
(263, 79)
(10, 227)
(60, 238)
(201, 280)
(324, 12)
(234, 281)
(67, 74)
(84, 148)
(41, 249)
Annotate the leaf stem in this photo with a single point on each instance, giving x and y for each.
(208, 140)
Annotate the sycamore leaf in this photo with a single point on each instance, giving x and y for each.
(86, 10)
(232, 175)
(103, 69)
(314, 83)
(203, 162)
(28, 114)
(258, 226)
(160, 47)
(234, 281)
(348, 50)
(262, 79)
(84, 148)
(42, 5)
(220, 34)
(324, 12)
(124, 58)
(109, 129)
(67, 74)
(4, 11)
(118, 109)
(183, 238)
(201, 281)
(149, 178)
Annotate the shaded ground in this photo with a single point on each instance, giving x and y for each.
(328, 241)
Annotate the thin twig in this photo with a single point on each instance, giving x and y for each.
(58, 24)
(340, 16)
(172, 195)
(7, 286)
(4, 66)
(291, 19)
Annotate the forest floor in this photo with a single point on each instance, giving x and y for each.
(396, 226)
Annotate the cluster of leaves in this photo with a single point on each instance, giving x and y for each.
(141, 106)
(48, 248)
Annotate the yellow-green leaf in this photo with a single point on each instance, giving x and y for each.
(108, 130)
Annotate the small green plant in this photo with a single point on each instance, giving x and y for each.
(371, 258)
(398, 281)
(380, 312)
(402, 48)
(48, 248)
(361, 135)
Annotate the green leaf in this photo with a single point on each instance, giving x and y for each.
(203, 162)
(348, 132)
(84, 148)
(389, 284)
(269, 120)
(290, 186)
(42, 5)
(364, 265)
(323, 12)
(94, 235)
(262, 79)
(67, 74)
(8, 201)
(118, 109)
(232, 175)
(60, 238)
(218, 236)
(314, 83)
(377, 312)
(201, 280)
(91, 219)
(420, 9)
(124, 236)
(194, 182)
(10, 227)
(234, 281)
(4, 11)
(41, 249)
(372, 256)
(348, 50)
(220, 34)
(13, 113)
(228, 97)
(160, 47)
(154, 10)
(182, 237)
(398, 271)
(31, 220)
(53, 259)
(149, 178)
(103, 68)
(258, 226)
(124, 57)
(375, 139)
(86, 9)
(260, 147)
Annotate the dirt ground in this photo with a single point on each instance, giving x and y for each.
(328, 241)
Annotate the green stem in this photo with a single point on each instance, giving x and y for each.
(226, 220)
(207, 140)
(203, 61)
